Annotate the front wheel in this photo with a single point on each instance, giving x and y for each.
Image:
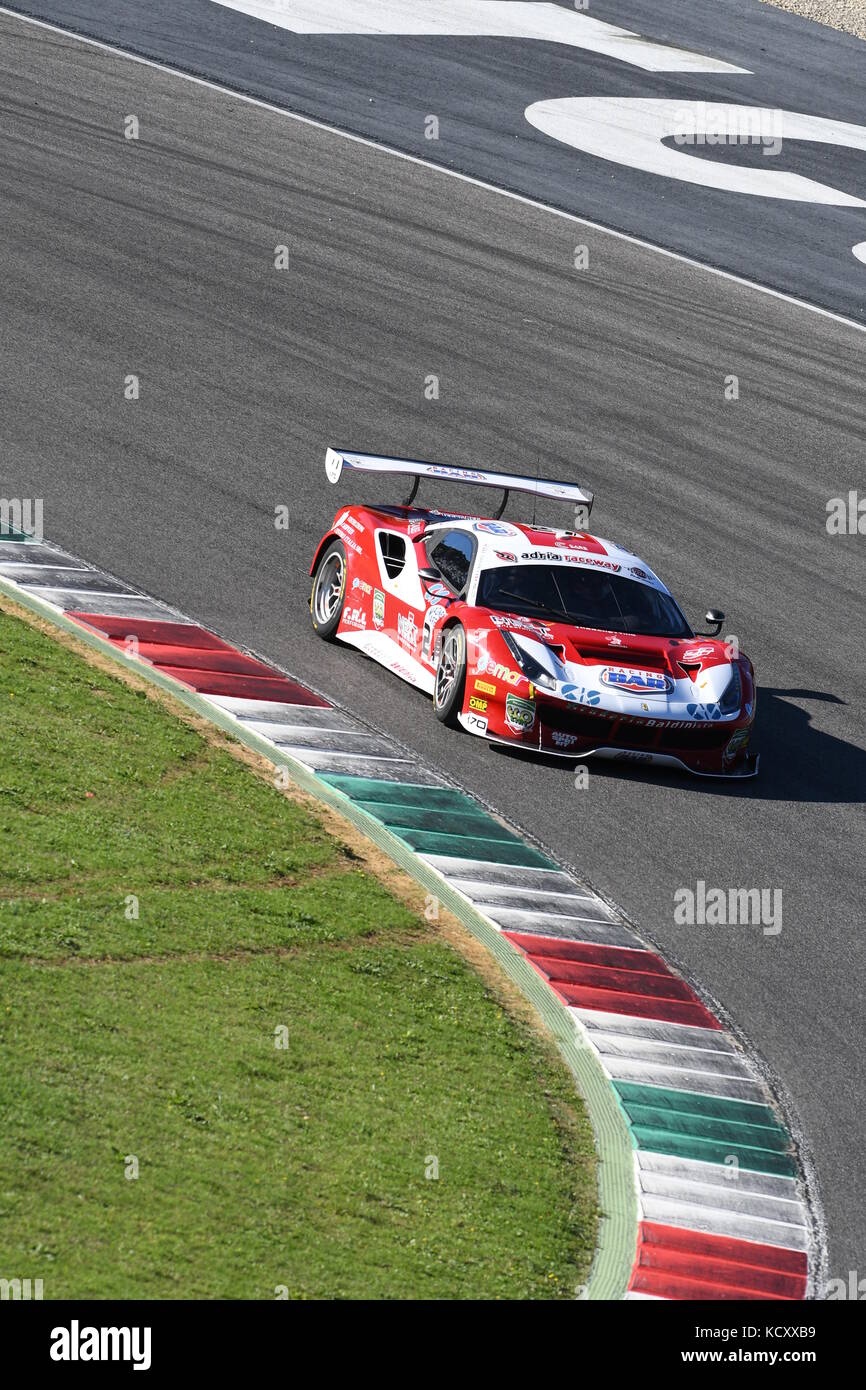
(329, 591)
(450, 676)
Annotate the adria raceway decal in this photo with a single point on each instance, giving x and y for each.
(716, 1205)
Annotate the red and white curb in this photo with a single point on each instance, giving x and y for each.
(722, 1207)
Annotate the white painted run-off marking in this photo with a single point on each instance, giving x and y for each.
(504, 19)
(631, 131)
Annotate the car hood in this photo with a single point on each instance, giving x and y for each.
(667, 678)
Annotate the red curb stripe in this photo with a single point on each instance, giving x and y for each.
(675, 1262)
(274, 687)
(637, 982)
(151, 630)
(672, 1286)
(750, 1252)
(205, 662)
(201, 659)
(614, 980)
(636, 1005)
(592, 952)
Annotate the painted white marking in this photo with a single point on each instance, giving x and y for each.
(506, 19)
(859, 251)
(431, 167)
(630, 131)
(724, 1222)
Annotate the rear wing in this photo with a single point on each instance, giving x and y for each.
(338, 459)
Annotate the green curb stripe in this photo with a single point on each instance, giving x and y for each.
(375, 789)
(710, 1128)
(715, 1151)
(460, 820)
(616, 1246)
(448, 822)
(661, 1099)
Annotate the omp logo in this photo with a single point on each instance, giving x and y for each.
(20, 1289)
(21, 515)
(637, 682)
(76, 1343)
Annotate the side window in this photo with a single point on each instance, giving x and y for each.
(452, 556)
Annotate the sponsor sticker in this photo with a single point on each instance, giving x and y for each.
(362, 585)
(637, 682)
(579, 695)
(507, 556)
(519, 624)
(355, 617)
(476, 703)
(438, 590)
(486, 686)
(378, 608)
(494, 528)
(470, 475)
(476, 723)
(696, 653)
(407, 631)
(572, 558)
(502, 673)
(737, 744)
(431, 618)
(704, 711)
(563, 740)
(519, 714)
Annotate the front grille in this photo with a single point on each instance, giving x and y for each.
(697, 736)
(572, 721)
(624, 733)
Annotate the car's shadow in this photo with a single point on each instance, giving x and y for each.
(798, 761)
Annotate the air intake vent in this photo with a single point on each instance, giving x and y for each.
(393, 550)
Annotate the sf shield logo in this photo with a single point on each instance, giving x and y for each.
(637, 682)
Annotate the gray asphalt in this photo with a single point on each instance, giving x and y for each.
(155, 258)
(384, 87)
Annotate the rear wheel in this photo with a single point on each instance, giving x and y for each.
(329, 591)
(450, 682)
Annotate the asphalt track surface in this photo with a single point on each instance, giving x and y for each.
(385, 86)
(156, 258)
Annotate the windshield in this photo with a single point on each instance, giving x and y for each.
(582, 596)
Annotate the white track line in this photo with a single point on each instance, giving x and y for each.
(440, 169)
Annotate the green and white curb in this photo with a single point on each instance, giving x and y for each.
(701, 1187)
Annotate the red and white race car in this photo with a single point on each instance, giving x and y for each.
(555, 641)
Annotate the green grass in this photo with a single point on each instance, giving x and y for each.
(302, 1166)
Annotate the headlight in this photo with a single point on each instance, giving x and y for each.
(532, 669)
(732, 695)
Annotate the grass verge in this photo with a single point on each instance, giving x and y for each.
(203, 984)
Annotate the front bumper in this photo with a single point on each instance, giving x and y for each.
(705, 748)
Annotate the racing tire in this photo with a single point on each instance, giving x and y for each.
(328, 593)
(450, 681)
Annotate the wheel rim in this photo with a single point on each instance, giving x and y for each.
(449, 665)
(329, 588)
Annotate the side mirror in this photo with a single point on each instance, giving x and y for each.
(425, 572)
(715, 617)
